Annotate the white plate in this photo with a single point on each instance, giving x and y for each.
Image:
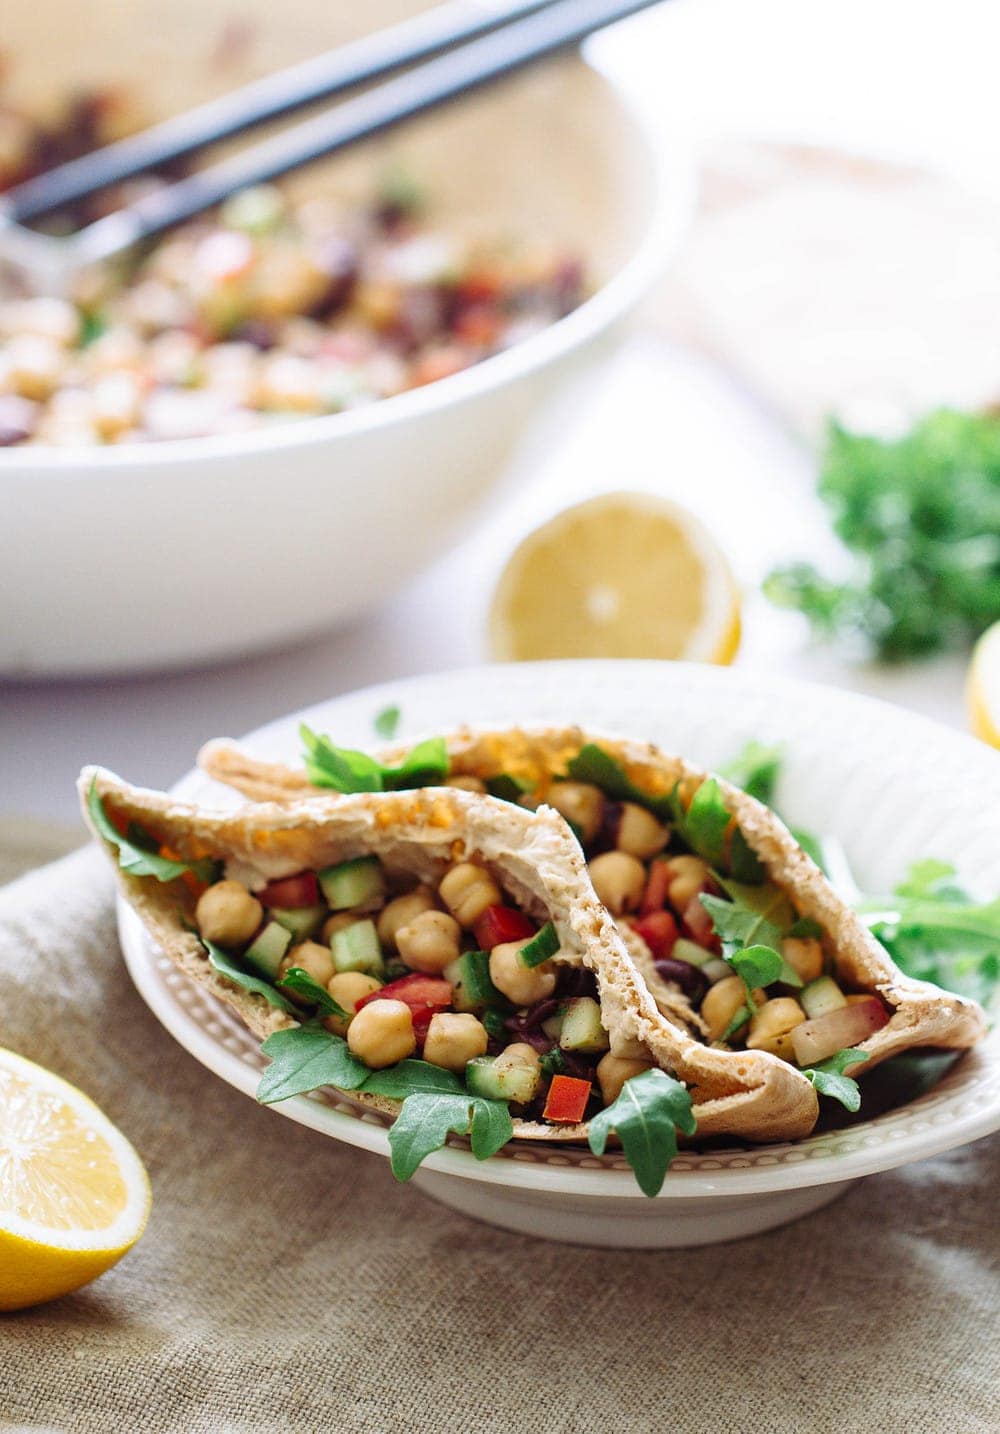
(892, 787)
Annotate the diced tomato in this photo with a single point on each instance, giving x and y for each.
(478, 324)
(699, 924)
(567, 1099)
(480, 285)
(500, 924)
(659, 931)
(425, 996)
(654, 898)
(291, 891)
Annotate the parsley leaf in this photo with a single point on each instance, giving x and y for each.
(922, 515)
(229, 967)
(751, 943)
(299, 981)
(137, 852)
(650, 1110)
(345, 770)
(592, 764)
(386, 722)
(829, 1079)
(303, 1058)
(552, 1063)
(427, 1118)
(757, 966)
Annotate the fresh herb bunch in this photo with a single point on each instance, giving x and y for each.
(923, 515)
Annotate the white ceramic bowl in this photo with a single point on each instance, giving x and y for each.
(893, 787)
(147, 556)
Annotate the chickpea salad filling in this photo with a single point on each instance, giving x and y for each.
(270, 310)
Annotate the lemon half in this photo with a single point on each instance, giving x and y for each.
(74, 1195)
(983, 688)
(622, 575)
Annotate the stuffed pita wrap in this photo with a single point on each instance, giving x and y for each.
(763, 979)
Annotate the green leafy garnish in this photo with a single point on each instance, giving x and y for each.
(757, 966)
(411, 1077)
(540, 947)
(344, 769)
(386, 722)
(751, 943)
(428, 1118)
(229, 967)
(805, 929)
(93, 325)
(922, 515)
(829, 1079)
(739, 1018)
(303, 984)
(647, 1115)
(592, 764)
(756, 770)
(137, 852)
(552, 1063)
(703, 826)
(506, 787)
(304, 1058)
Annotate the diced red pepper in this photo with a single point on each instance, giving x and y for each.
(567, 1099)
(291, 891)
(654, 898)
(699, 924)
(425, 996)
(659, 931)
(500, 924)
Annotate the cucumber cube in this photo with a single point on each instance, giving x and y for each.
(267, 948)
(471, 987)
(353, 884)
(301, 921)
(690, 951)
(552, 1025)
(581, 1027)
(821, 996)
(493, 1078)
(356, 948)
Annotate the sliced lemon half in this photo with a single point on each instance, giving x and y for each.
(74, 1195)
(622, 575)
(983, 687)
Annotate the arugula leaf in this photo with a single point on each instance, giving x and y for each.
(507, 787)
(386, 722)
(805, 929)
(829, 1079)
(345, 770)
(756, 770)
(137, 852)
(540, 947)
(704, 825)
(409, 1077)
(229, 967)
(341, 768)
(650, 1110)
(592, 764)
(303, 1058)
(299, 981)
(427, 1118)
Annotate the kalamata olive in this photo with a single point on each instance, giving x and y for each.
(576, 981)
(691, 979)
(338, 258)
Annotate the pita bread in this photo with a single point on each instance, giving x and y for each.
(735, 1091)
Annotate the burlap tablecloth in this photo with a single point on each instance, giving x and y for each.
(287, 1283)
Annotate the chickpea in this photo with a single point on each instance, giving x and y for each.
(581, 804)
(688, 874)
(34, 366)
(804, 955)
(467, 890)
(518, 1054)
(339, 921)
(382, 1033)
(524, 985)
(312, 958)
(619, 880)
(400, 912)
(639, 833)
(430, 942)
(467, 784)
(454, 1040)
(627, 1048)
(227, 913)
(348, 988)
(612, 1073)
(720, 1005)
(771, 1025)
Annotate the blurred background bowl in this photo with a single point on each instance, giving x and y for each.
(150, 556)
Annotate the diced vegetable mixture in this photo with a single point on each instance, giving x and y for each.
(263, 311)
